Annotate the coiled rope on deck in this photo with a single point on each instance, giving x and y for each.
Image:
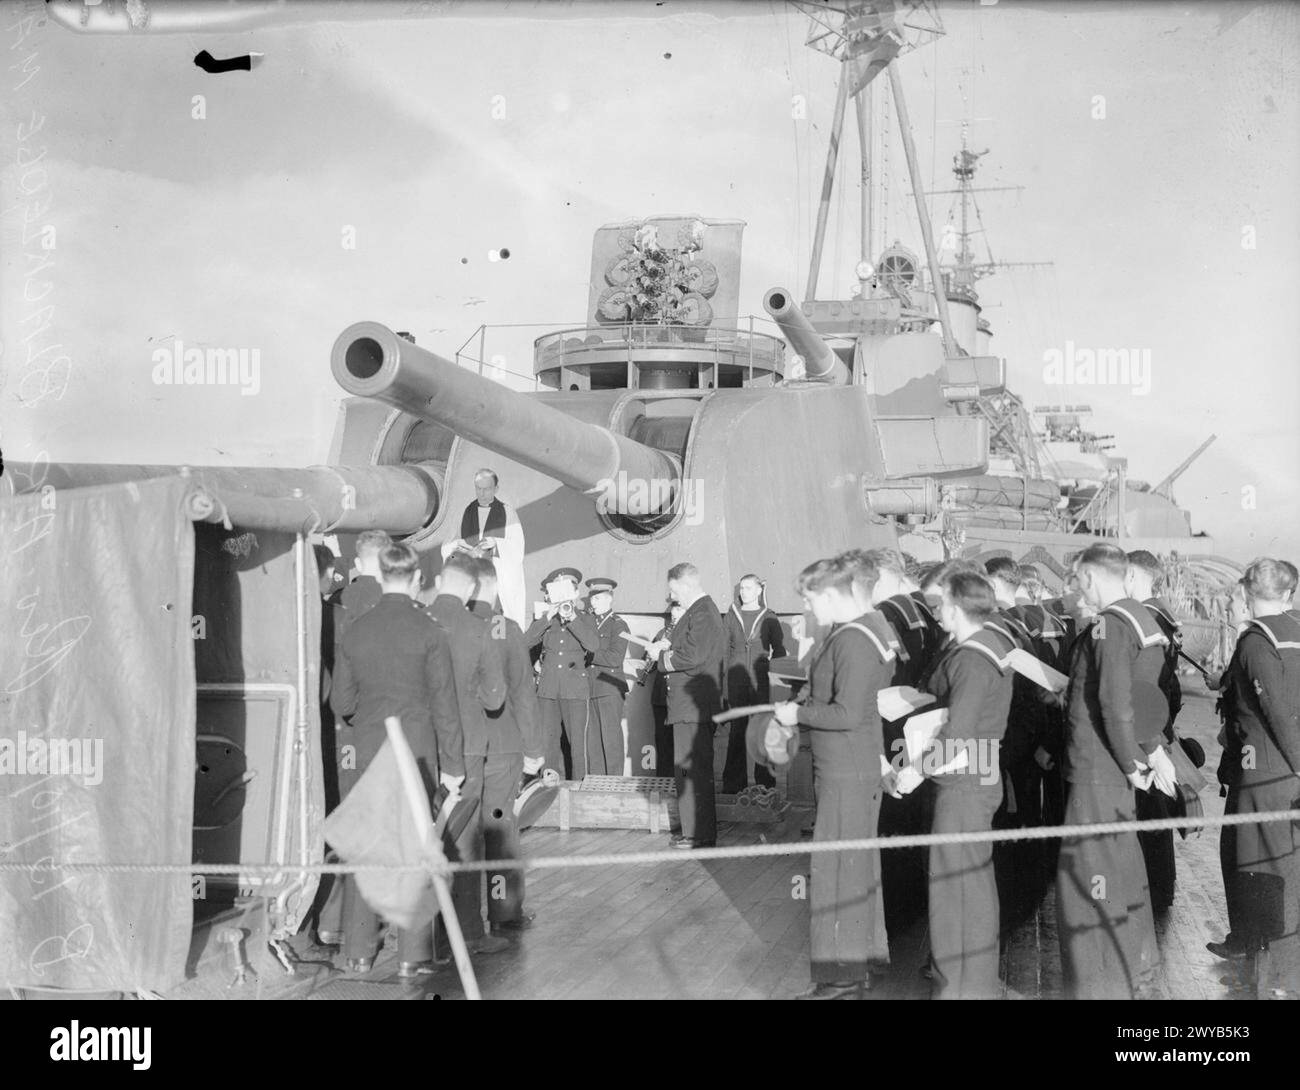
(700, 855)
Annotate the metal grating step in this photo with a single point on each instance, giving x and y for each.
(637, 785)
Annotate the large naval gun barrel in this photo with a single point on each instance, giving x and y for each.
(820, 363)
(326, 499)
(370, 360)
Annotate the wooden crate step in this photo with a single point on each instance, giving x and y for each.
(640, 802)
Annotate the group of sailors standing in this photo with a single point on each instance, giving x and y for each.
(487, 705)
(1102, 749)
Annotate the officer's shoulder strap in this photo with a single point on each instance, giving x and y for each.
(1141, 620)
(1282, 630)
(985, 643)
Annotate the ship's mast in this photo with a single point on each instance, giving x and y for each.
(966, 271)
(866, 37)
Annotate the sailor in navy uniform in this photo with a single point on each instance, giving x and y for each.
(608, 685)
(1022, 877)
(754, 638)
(1261, 768)
(974, 682)
(848, 668)
(1144, 572)
(564, 636)
(1104, 918)
(914, 638)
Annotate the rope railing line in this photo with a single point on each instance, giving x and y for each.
(740, 851)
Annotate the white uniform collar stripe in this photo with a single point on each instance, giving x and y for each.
(886, 652)
(992, 655)
(1145, 638)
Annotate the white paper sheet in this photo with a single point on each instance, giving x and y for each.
(1023, 663)
(920, 730)
(899, 701)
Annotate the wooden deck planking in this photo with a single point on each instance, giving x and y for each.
(724, 929)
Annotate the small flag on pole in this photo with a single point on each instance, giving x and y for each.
(385, 819)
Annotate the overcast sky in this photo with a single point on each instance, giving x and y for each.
(1169, 209)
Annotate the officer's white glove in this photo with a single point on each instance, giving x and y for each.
(907, 780)
(1162, 771)
(1140, 777)
(786, 713)
(533, 765)
(452, 783)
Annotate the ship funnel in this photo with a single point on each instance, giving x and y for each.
(820, 363)
(370, 360)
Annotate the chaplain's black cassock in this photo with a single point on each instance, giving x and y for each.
(849, 667)
(1261, 768)
(1108, 945)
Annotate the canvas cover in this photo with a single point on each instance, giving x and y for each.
(97, 733)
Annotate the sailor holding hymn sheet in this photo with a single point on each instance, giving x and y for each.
(490, 529)
(847, 670)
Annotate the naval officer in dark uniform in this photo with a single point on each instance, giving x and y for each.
(1104, 918)
(395, 661)
(514, 749)
(608, 684)
(361, 595)
(693, 659)
(480, 688)
(564, 636)
(848, 668)
(1261, 769)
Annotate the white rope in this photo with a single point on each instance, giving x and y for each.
(673, 855)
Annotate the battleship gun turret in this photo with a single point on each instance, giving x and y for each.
(370, 360)
(821, 364)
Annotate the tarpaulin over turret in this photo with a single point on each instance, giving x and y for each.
(97, 734)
